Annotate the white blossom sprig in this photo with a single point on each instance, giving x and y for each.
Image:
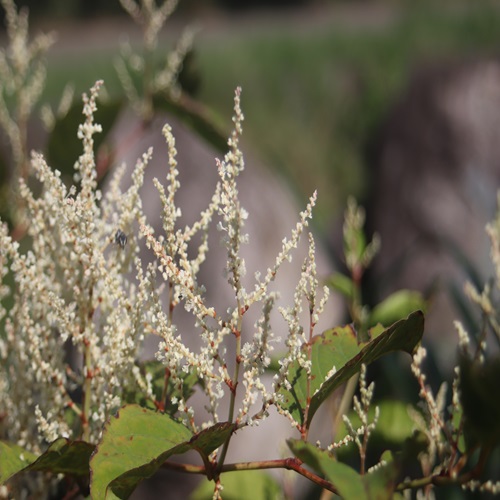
(299, 339)
(70, 289)
(285, 254)
(437, 421)
(362, 434)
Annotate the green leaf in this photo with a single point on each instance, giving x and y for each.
(379, 484)
(339, 348)
(135, 437)
(195, 116)
(397, 306)
(65, 457)
(210, 439)
(61, 457)
(13, 459)
(332, 348)
(456, 424)
(241, 485)
(136, 442)
(342, 284)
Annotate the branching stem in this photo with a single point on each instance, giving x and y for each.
(287, 463)
(234, 384)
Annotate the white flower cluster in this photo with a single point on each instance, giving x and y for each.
(433, 422)
(74, 324)
(78, 316)
(361, 406)
(252, 352)
(306, 291)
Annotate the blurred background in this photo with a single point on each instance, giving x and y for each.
(319, 77)
(395, 103)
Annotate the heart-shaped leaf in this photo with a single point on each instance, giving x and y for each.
(136, 442)
(339, 349)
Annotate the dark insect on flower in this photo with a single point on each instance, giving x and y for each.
(120, 238)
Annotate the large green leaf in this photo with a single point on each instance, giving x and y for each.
(339, 348)
(136, 442)
(13, 459)
(332, 348)
(379, 484)
(241, 485)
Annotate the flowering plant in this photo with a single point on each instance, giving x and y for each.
(73, 287)
(81, 410)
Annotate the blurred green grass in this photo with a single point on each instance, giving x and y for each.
(313, 98)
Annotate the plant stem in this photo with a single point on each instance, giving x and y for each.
(286, 463)
(86, 394)
(88, 374)
(234, 383)
(166, 380)
(305, 428)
